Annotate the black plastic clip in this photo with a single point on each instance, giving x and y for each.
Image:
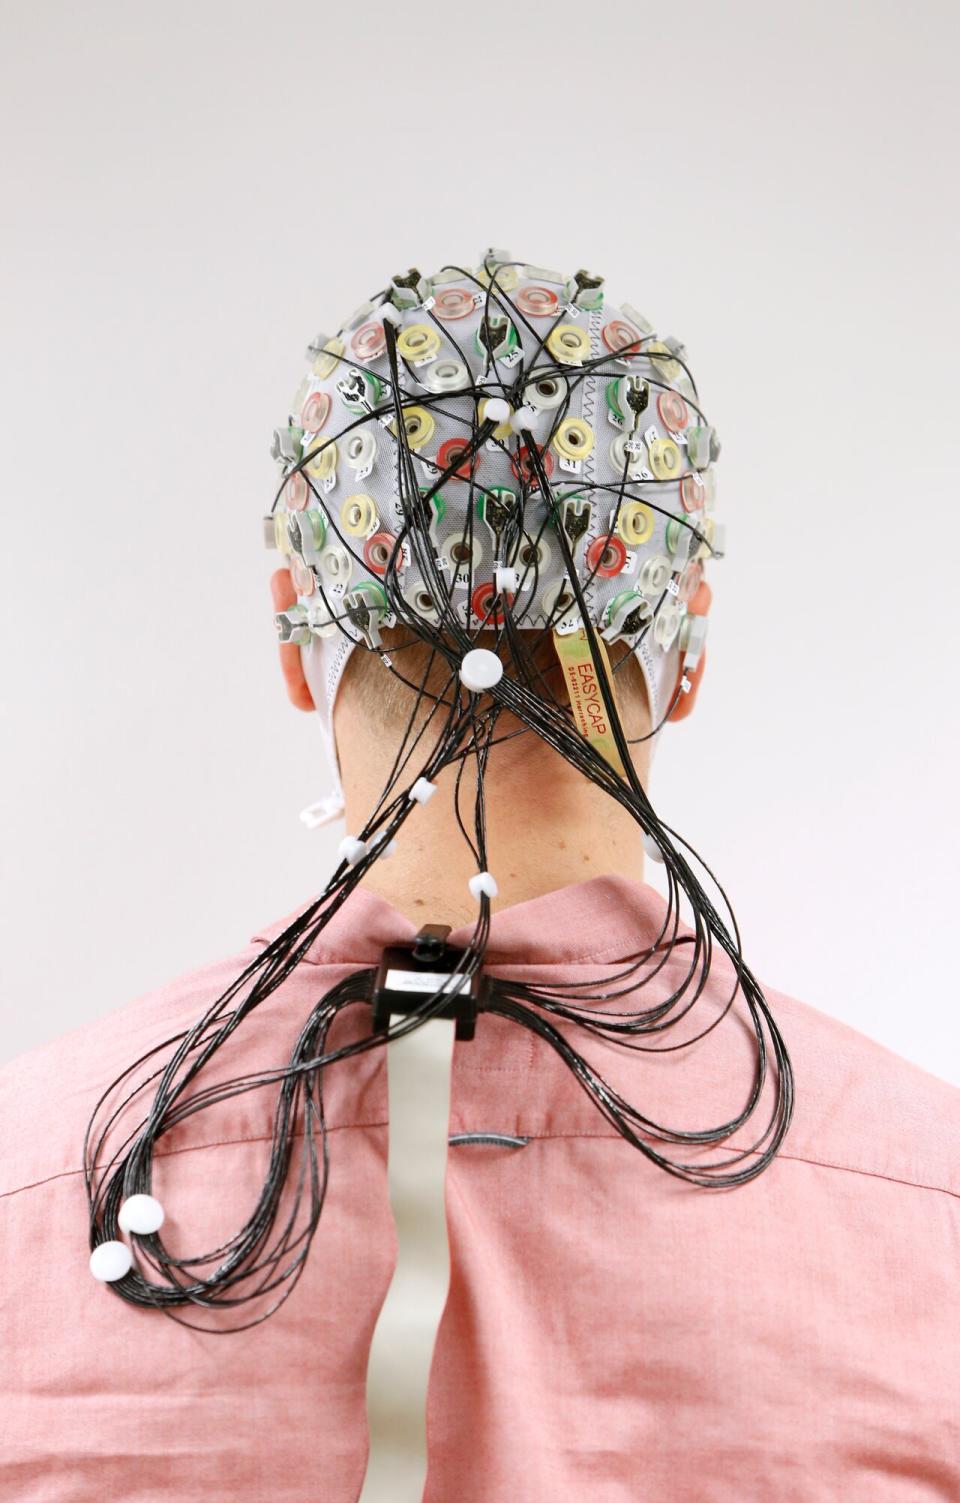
(409, 973)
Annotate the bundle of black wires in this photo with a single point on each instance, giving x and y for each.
(242, 1281)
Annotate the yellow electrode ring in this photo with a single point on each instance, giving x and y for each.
(635, 523)
(281, 533)
(324, 462)
(358, 515)
(663, 360)
(709, 528)
(418, 342)
(573, 439)
(505, 277)
(568, 344)
(329, 358)
(418, 425)
(664, 457)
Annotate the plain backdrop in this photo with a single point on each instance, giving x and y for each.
(190, 191)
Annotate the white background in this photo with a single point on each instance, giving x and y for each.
(191, 191)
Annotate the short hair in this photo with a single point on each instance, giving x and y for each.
(385, 699)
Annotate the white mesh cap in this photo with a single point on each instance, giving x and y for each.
(615, 416)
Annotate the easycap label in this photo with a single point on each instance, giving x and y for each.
(586, 701)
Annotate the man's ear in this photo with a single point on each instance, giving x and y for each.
(284, 596)
(699, 606)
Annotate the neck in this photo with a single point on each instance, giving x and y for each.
(547, 827)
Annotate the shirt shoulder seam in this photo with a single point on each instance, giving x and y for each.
(911, 1184)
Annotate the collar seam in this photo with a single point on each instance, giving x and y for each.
(605, 957)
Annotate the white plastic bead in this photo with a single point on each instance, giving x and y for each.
(508, 580)
(352, 850)
(110, 1261)
(524, 417)
(422, 791)
(390, 313)
(385, 847)
(651, 848)
(483, 883)
(480, 669)
(141, 1214)
(496, 410)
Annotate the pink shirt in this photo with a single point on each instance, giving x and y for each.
(610, 1332)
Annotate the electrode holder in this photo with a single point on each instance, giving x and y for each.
(409, 973)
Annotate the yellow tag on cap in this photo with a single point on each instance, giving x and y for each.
(586, 701)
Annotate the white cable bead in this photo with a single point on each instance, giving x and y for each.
(524, 417)
(496, 410)
(483, 883)
(422, 791)
(352, 850)
(390, 313)
(508, 580)
(110, 1261)
(141, 1214)
(651, 848)
(480, 669)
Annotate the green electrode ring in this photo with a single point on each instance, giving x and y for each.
(503, 499)
(360, 391)
(437, 505)
(610, 392)
(504, 346)
(373, 593)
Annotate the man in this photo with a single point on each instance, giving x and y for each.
(611, 1330)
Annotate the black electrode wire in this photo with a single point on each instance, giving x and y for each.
(405, 752)
(500, 998)
(583, 746)
(541, 995)
(269, 1252)
(232, 1270)
(224, 1276)
(625, 799)
(457, 464)
(302, 930)
(620, 1114)
(603, 683)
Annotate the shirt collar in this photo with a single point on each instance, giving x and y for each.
(602, 919)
